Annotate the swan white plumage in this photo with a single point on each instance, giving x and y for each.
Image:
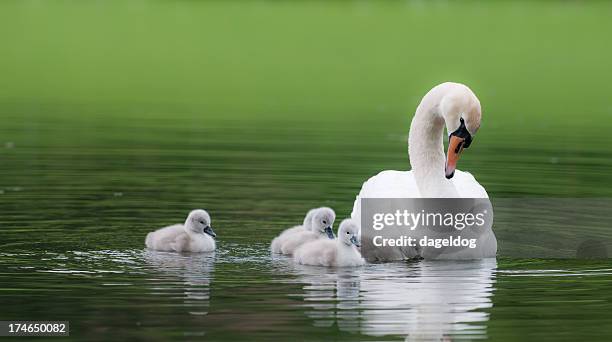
(318, 224)
(341, 252)
(433, 175)
(195, 235)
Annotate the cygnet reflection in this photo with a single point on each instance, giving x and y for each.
(194, 273)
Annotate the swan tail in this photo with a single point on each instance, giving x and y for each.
(275, 246)
(149, 240)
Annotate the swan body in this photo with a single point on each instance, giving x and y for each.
(433, 174)
(289, 233)
(195, 235)
(317, 224)
(341, 252)
(401, 184)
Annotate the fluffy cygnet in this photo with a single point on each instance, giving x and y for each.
(341, 252)
(278, 241)
(195, 235)
(320, 226)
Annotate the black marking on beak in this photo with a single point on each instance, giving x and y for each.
(457, 141)
(208, 230)
(463, 133)
(330, 233)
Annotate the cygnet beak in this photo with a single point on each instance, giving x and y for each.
(330, 233)
(355, 242)
(208, 230)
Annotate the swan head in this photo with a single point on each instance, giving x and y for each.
(348, 231)
(199, 222)
(308, 219)
(323, 221)
(462, 114)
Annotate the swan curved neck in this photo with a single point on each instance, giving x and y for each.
(426, 148)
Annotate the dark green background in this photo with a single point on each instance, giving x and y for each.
(117, 117)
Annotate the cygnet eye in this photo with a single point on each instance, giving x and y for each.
(202, 222)
(347, 232)
(324, 222)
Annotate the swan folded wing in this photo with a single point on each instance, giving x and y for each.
(293, 242)
(390, 184)
(283, 237)
(292, 230)
(468, 186)
(181, 243)
(162, 239)
(386, 184)
(401, 184)
(321, 252)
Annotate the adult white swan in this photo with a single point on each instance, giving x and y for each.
(434, 175)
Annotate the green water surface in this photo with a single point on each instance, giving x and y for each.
(118, 117)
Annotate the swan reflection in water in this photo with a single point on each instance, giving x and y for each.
(426, 300)
(193, 272)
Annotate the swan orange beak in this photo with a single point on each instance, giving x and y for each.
(455, 147)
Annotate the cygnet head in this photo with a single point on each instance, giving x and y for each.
(199, 222)
(461, 111)
(348, 231)
(323, 221)
(308, 219)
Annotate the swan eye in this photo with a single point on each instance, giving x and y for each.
(347, 232)
(202, 222)
(324, 222)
